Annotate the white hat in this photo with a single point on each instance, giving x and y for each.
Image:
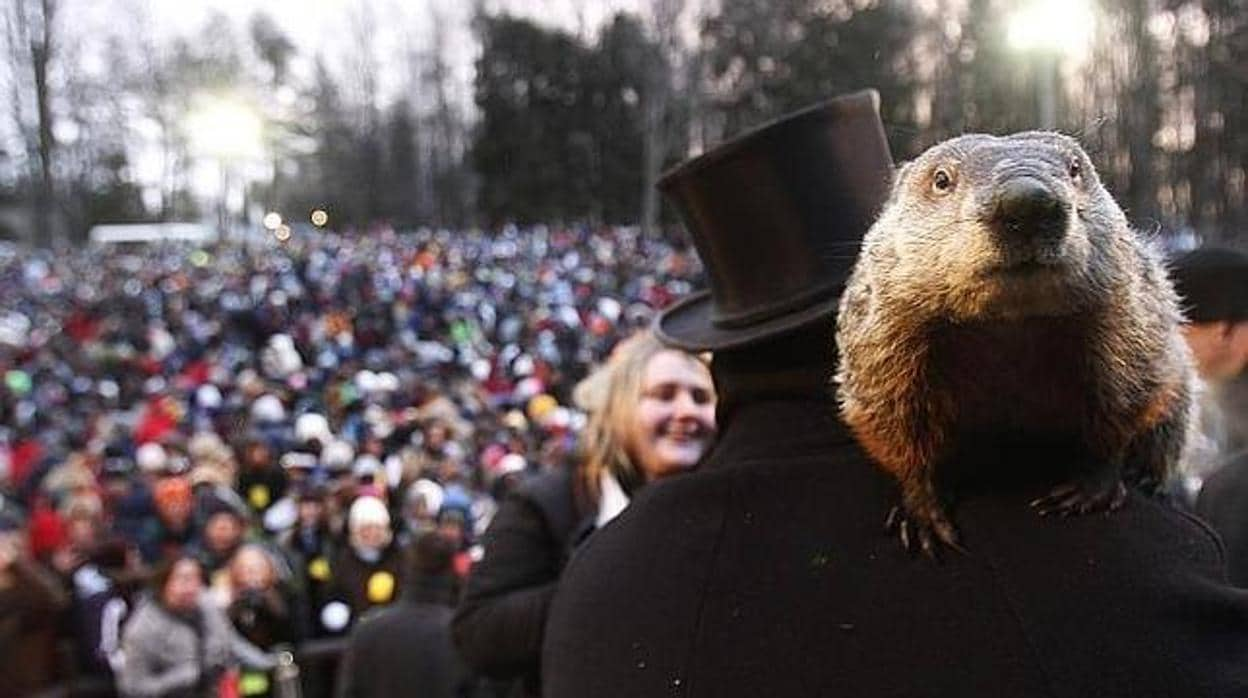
(267, 409)
(610, 308)
(429, 491)
(337, 455)
(366, 464)
(511, 463)
(151, 457)
(367, 510)
(379, 422)
(297, 460)
(311, 425)
(387, 382)
(366, 381)
(208, 396)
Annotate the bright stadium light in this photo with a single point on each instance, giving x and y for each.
(272, 220)
(1063, 27)
(225, 128)
(320, 218)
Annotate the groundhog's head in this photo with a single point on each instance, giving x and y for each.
(983, 227)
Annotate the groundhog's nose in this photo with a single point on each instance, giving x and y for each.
(1026, 207)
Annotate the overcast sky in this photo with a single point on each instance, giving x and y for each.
(317, 28)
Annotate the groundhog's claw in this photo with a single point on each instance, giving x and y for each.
(923, 535)
(1084, 496)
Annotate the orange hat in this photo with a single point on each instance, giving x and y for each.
(172, 491)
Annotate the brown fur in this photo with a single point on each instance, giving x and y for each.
(951, 329)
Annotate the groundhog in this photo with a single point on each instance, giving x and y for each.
(1001, 294)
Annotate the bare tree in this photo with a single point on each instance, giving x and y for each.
(30, 38)
(41, 48)
(657, 106)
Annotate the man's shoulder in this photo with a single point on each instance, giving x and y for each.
(384, 621)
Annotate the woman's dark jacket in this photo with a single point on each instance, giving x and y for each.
(768, 573)
(499, 623)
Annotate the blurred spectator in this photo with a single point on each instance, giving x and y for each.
(652, 417)
(177, 643)
(406, 648)
(261, 479)
(223, 530)
(309, 546)
(103, 588)
(30, 600)
(176, 400)
(170, 532)
(369, 570)
(1213, 283)
(263, 609)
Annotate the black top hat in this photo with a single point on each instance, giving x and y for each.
(1213, 283)
(777, 215)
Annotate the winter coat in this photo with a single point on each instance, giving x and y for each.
(405, 649)
(29, 611)
(99, 611)
(167, 655)
(768, 573)
(500, 620)
(309, 557)
(1223, 503)
(363, 585)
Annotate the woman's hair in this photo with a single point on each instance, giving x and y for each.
(610, 394)
(164, 570)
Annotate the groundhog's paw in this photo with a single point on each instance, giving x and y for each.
(924, 532)
(1098, 491)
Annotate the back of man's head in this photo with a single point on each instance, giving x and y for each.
(1213, 284)
(432, 555)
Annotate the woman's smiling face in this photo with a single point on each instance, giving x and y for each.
(674, 420)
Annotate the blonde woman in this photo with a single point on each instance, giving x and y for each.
(652, 416)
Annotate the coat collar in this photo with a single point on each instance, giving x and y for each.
(778, 426)
(778, 397)
(612, 500)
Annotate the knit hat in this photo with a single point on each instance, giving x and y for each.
(172, 491)
(151, 457)
(368, 510)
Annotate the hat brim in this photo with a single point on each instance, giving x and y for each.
(687, 324)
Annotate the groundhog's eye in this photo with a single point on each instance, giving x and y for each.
(942, 181)
(1075, 169)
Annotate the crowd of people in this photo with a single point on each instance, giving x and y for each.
(213, 454)
(390, 464)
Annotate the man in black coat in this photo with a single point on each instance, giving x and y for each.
(405, 649)
(1213, 283)
(768, 572)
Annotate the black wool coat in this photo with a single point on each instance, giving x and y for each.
(405, 650)
(1223, 502)
(351, 576)
(767, 573)
(500, 620)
